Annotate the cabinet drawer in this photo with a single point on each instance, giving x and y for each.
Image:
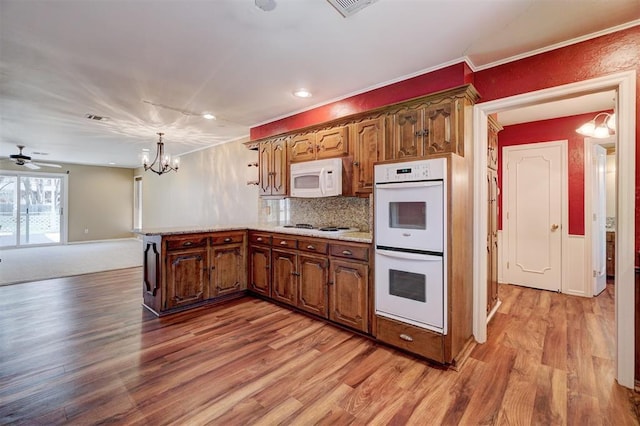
(285, 241)
(229, 238)
(410, 338)
(260, 238)
(349, 252)
(186, 242)
(313, 246)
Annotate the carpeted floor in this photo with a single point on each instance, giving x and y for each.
(40, 263)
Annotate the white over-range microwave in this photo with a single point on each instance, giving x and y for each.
(313, 179)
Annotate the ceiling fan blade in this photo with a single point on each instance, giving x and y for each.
(31, 166)
(47, 165)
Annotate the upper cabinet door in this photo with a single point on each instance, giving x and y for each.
(273, 167)
(302, 147)
(280, 175)
(331, 143)
(265, 166)
(368, 137)
(440, 123)
(405, 135)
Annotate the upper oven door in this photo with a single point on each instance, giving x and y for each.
(410, 215)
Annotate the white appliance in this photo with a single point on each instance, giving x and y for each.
(410, 229)
(313, 179)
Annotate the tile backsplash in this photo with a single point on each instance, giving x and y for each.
(351, 212)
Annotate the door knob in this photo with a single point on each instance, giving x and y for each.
(554, 227)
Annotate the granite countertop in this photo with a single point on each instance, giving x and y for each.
(356, 236)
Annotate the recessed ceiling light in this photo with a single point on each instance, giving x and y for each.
(112, 163)
(209, 116)
(265, 5)
(302, 93)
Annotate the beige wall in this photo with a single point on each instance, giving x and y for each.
(100, 200)
(209, 189)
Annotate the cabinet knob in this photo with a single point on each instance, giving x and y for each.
(227, 240)
(187, 243)
(283, 243)
(259, 239)
(347, 252)
(356, 163)
(296, 274)
(406, 337)
(310, 247)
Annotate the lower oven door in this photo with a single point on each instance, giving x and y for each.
(410, 287)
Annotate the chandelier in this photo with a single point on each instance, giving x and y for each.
(162, 161)
(604, 129)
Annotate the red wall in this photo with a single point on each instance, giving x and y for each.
(604, 55)
(442, 79)
(547, 131)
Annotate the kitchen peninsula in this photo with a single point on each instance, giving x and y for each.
(324, 273)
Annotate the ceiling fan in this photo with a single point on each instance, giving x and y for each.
(24, 160)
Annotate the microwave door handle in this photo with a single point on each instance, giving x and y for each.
(408, 256)
(322, 182)
(400, 185)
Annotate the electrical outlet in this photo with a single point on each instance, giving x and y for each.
(86, 230)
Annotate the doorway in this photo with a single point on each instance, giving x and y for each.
(624, 84)
(600, 212)
(32, 209)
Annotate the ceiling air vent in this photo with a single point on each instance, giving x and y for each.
(96, 117)
(350, 7)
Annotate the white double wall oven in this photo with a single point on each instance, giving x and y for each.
(410, 244)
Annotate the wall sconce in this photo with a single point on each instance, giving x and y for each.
(606, 128)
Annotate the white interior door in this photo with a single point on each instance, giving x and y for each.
(533, 183)
(598, 207)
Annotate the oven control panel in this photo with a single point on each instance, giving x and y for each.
(411, 171)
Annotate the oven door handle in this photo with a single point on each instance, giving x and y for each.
(408, 256)
(400, 185)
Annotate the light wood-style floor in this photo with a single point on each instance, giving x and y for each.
(82, 350)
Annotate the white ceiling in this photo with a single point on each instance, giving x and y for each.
(62, 59)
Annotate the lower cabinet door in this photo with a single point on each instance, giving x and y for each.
(312, 288)
(349, 294)
(186, 277)
(260, 270)
(227, 270)
(285, 276)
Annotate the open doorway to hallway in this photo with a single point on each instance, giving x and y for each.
(624, 85)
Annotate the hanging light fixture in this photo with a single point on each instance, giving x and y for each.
(604, 129)
(162, 161)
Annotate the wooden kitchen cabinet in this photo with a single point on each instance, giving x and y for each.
(319, 276)
(186, 279)
(428, 126)
(285, 276)
(349, 285)
(273, 167)
(405, 134)
(312, 288)
(183, 271)
(227, 264)
(324, 143)
(349, 293)
(302, 147)
(368, 136)
(611, 254)
(260, 269)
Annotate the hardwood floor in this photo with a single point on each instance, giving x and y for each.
(82, 350)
